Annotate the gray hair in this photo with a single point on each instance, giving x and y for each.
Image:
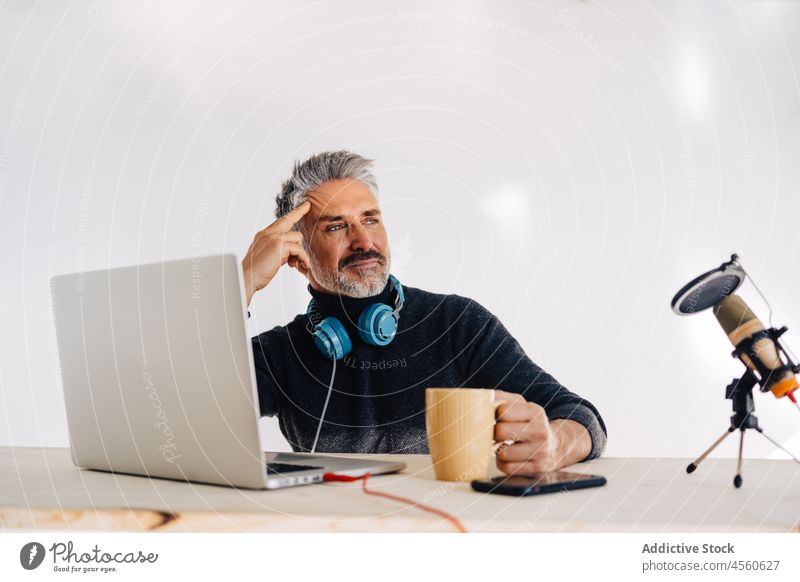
(321, 168)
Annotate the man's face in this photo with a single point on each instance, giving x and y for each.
(346, 240)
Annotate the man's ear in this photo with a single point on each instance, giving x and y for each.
(302, 268)
(298, 264)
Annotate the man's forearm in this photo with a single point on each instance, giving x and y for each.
(573, 441)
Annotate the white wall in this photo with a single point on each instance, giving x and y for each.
(568, 164)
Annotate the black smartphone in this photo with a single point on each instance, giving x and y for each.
(536, 484)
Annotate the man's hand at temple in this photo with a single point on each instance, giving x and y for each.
(273, 247)
(540, 445)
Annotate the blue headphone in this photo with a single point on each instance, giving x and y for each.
(377, 326)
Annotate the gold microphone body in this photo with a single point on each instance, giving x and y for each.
(740, 323)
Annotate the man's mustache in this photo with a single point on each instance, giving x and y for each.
(361, 256)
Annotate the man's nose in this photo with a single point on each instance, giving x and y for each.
(359, 238)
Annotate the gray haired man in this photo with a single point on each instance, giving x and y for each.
(329, 227)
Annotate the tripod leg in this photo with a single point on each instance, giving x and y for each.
(693, 466)
(777, 444)
(737, 481)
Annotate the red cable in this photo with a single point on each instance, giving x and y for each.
(793, 398)
(365, 477)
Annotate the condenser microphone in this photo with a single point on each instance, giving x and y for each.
(755, 345)
(767, 362)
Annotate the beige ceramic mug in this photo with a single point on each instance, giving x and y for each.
(460, 425)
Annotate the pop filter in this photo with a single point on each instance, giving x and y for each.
(709, 288)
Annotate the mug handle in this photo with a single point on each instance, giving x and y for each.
(498, 444)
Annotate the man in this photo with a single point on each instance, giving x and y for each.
(329, 227)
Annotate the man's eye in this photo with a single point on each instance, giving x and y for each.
(372, 221)
(335, 227)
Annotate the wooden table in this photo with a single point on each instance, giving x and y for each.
(40, 489)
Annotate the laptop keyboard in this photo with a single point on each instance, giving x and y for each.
(279, 468)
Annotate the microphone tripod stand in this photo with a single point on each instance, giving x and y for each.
(740, 391)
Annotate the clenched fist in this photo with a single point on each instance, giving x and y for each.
(540, 445)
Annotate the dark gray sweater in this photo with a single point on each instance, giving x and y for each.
(378, 399)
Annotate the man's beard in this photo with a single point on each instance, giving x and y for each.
(369, 281)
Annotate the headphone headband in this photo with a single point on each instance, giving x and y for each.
(400, 297)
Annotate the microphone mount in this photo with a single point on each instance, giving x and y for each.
(766, 376)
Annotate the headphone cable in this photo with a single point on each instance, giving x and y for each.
(325, 406)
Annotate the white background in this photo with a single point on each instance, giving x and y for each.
(570, 165)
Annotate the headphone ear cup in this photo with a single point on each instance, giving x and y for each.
(377, 324)
(331, 338)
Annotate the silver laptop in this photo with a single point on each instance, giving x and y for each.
(158, 377)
